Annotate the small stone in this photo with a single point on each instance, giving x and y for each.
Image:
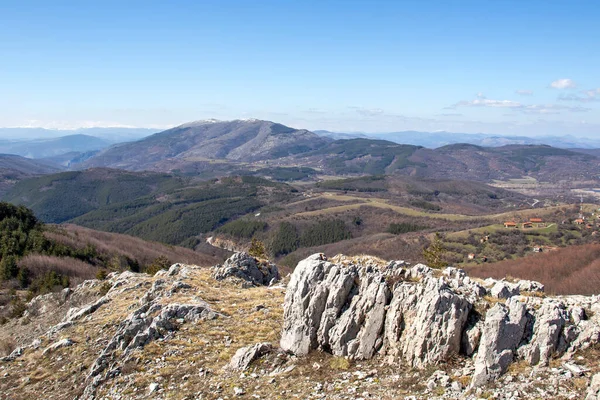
(238, 391)
(153, 387)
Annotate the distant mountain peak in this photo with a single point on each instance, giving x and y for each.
(200, 122)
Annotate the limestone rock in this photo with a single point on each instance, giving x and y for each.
(593, 392)
(530, 286)
(549, 323)
(504, 290)
(350, 311)
(245, 267)
(358, 308)
(424, 323)
(502, 332)
(245, 355)
(60, 344)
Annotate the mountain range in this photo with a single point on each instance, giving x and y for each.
(214, 148)
(52, 147)
(434, 140)
(236, 141)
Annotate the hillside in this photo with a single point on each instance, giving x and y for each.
(240, 140)
(469, 162)
(22, 166)
(214, 149)
(362, 156)
(15, 168)
(152, 206)
(45, 148)
(60, 197)
(37, 258)
(574, 269)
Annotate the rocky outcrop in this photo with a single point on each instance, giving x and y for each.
(420, 317)
(247, 268)
(151, 320)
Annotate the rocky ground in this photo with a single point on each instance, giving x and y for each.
(347, 328)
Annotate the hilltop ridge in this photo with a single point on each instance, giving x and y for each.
(213, 332)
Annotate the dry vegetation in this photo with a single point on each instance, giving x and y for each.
(137, 249)
(39, 265)
(572, 270)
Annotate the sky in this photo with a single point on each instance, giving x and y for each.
(502, 67)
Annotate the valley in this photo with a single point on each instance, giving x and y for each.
(75, 228)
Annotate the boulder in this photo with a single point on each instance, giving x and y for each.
(504, 290)
(55, 346)
(350, 311)
(244, 356)
(424, 323)
(245, 267)
(502, 332)
(546, 336)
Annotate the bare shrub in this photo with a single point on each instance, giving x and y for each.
(144, 252)
(7, 346)
(39, 265)
(572, 270)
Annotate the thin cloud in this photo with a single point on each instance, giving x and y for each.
(316, 111)
(450, 115)
(585, 96)
(524, 92)
(368, 112)
(551, 109)
(563, 84)
(481, 101)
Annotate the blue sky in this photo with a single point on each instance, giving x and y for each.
(503, 67)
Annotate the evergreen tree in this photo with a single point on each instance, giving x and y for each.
(434, 253)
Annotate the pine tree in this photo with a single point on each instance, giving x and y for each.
(434, 253)
(257, 249)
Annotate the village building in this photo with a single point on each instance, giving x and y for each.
(510, 224)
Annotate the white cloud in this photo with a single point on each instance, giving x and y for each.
(524, 92)
(563, 84)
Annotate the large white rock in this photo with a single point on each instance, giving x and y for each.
(502, 332)
(421, 317)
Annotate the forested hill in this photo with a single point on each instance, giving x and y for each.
(152, 206)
